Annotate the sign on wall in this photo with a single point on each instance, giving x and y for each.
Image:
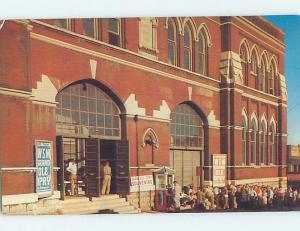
(219, 170)
(141, 183)
(43, 163)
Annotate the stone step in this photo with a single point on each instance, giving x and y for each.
(95, 207)
(77, 200)
(95, 203)
(123, 208)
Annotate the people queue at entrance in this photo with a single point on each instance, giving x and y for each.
(231, 197)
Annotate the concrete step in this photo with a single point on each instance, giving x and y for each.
(94, 203)
(77, 200)
(105, 204)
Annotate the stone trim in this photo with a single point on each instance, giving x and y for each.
(14, 92)
(18, 169)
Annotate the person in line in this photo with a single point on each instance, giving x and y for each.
(106, 179)
(177, 191)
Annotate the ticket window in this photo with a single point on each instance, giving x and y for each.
(164, 178)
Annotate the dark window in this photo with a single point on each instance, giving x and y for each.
(244, 60)
(187, 49)
(253, 141)
(89, 27)
(171, 43)
(263, 143)
(114, 32)
(203, 53)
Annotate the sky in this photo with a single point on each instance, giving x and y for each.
(290, 24)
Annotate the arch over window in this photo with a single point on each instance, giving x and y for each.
(263, 142)
(273, 144)
(244, 139)
(84, 110)
(172, 42)
(203, 52)
(244, 60)
(187, 46)
(254, 139)
(150, 138)
(148, 33)
(186, 127)
(114, 31)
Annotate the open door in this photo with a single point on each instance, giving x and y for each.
(60, 164)
(117, 153)
(122, 167)
(92, 167)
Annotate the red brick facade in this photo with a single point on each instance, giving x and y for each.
(35, 51)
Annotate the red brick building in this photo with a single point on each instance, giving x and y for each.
(142, 93)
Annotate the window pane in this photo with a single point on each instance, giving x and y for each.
(114, 39)
(88, 27)
(63, 23)
(186, 59)
(114, 25)
(171, 53)
(170, 31)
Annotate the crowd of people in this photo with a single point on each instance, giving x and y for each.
(231, 197)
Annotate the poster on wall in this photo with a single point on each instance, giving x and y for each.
(43, 163)
(219, 170)
(141, 183)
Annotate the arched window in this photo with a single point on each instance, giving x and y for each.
(244, 61)
(148, 33)
(244, 140)
(262, 76)
(254, 63)
(85, 110)
(114, 31)
(186, 127)
(202, 53)
(187, 49)
(273, 157)
(253, 141)
(172, 43)
(263, 143)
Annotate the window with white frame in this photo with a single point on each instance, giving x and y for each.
(187, 55)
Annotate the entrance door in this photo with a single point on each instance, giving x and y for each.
(185, 163)
(92, 167)
(117, 153)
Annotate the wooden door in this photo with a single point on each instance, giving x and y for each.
(92, 167)
(122, 167)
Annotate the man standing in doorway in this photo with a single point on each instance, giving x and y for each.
(106, 178)
(72, 168)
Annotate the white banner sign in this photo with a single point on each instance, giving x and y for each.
(43, 163)
(219, 170)
(141, 183)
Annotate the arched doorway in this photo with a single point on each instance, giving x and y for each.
(89, 133)
(187, 145)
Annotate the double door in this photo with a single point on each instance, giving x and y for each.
(186, 164)
(93, 154)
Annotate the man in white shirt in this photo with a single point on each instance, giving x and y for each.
(106, 178)
(72, 168)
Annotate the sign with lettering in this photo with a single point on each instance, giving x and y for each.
(141, 183)
(43, 163)
(219, 170)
